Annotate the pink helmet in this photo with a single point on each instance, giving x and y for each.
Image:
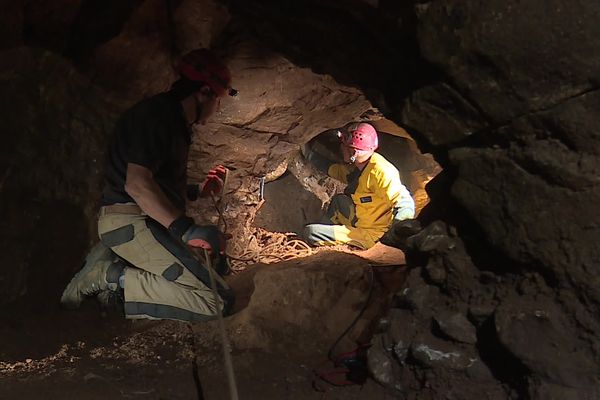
(361, 136)
(202, 65)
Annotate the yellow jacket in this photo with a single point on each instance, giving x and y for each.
(377, 192)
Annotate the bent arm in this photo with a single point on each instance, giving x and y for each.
(400, 198)
(405, 205)
(144, 190)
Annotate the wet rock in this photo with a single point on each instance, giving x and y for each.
(539, 334)
(435, 353)
(456, 326)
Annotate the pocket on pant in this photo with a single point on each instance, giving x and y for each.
(117, 236)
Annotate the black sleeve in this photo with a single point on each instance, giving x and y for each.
(147, 142)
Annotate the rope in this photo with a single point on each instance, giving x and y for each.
(330, 354)
(263, 246)
(225, 341)
(269, 247)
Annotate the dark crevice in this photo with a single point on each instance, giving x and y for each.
(487, 136)
(370, 51)
(504, 366)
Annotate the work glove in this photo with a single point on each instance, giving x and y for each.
(207, 237)
(212, 184)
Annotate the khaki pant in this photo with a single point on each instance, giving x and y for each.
(337, 227)
(166, 281)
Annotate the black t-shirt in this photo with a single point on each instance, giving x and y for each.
(154, 133)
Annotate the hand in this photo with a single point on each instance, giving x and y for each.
(207, 237)
(214, 182)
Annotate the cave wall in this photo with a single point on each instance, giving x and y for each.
(53, 127)
(513, 114)
(503, 93)
(64, 84)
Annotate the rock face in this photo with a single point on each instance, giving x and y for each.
(54, 129)
(504, 295)
(516, 119)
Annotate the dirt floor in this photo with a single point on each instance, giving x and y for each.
(279, 337)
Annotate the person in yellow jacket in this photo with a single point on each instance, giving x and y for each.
(374, 196)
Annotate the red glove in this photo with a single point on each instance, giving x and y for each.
(213, 184)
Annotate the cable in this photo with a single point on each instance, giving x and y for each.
(360, 313)
(225, 341)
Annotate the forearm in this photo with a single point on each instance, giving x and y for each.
(155, 203)
(147, 194)
(405, 206)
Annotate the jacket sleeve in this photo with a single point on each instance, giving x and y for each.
(398, 195)
(340, 172)
(405, 205)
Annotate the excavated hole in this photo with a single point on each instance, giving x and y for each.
(300, 195)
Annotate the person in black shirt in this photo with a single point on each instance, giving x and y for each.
(142, 219)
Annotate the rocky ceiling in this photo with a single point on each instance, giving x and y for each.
(503, 293)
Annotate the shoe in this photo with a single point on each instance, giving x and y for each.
(92, 279)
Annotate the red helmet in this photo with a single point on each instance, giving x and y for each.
(361, 136)
(204, 66)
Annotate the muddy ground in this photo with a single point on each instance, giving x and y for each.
(279, 339)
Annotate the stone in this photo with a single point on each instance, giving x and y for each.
(435, 271)
(479, 46)
(383, 368)
(543, 390)
(435, 353)
(541, 337)
(481, 312)
(417, 296)
(433, 237)
(403, 327)
(456, 326)
(449, 117)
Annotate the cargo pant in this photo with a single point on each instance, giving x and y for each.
(337, 226)
(166, 282)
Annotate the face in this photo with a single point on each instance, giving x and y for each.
(207, 104)
(354, 156)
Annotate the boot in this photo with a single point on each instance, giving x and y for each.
(100, 272)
